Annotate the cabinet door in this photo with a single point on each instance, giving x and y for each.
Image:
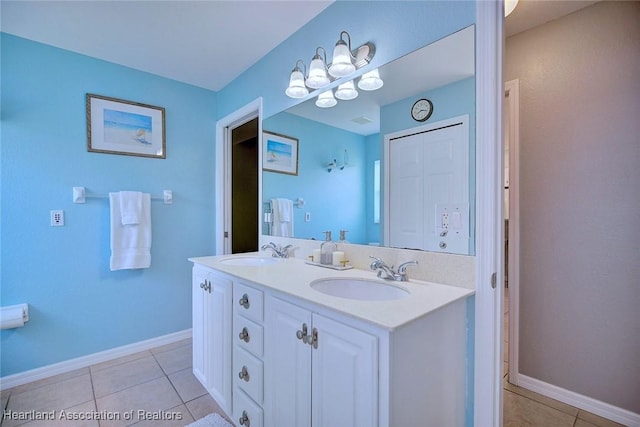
(218, 337)
(287, 366)
(344, 376)
(198, 299)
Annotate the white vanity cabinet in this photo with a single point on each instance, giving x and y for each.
(320, 372)
(211, 311)
(275, 353)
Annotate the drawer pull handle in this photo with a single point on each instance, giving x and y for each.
(244, 419)
(244, 335)
(244, 374)
(206, 286)
(244, 301)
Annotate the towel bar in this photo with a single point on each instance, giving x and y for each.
(80, 195)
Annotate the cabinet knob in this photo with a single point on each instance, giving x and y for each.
(302, 334)
(442, 245)
(244, 335)
(244, 374)
(244, 419)
(244, 301)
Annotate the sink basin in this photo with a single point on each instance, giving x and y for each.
(249, 261)
(359, 289)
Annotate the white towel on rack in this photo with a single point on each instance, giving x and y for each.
(130, 207)
(130, 243)
(282, 217)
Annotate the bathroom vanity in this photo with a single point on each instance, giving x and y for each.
(275, 346)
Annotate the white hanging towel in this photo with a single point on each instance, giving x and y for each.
(130, 241)
(282, 217)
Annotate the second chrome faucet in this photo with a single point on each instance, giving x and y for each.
(387, 273)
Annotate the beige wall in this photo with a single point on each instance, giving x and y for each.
(580, 201)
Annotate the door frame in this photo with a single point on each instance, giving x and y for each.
(488, 317)
(512, 93)
(223, 171)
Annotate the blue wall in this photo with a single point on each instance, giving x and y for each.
(77, 305)
(336, 200)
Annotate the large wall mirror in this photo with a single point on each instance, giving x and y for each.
(343, 173)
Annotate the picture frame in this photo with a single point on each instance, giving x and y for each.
(117, 126)
(279, 153)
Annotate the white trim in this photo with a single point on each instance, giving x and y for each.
(489, 216)
(512, 92)
(586, 403)
(25, 377)
(222, 184)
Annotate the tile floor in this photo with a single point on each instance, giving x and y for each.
(160, 383)
(524, 408)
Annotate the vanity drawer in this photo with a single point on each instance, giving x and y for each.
(247, 412)
(248, 374)
(248, 301)
(248, 335)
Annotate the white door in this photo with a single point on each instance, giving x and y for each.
(217, 330)
(428, 187)
(287, 365)
(344, 376)
(198, 322)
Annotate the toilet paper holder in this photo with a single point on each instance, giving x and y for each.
(14, 316)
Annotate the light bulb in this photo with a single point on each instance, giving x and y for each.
(346, 91)
(296, 87)
(370, 80)
(326, 99)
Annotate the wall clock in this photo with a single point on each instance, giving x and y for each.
(421, 110)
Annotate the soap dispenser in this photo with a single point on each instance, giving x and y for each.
(343, 238)
(327, 249)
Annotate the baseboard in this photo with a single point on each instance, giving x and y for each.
(25, 377)
(580, 401)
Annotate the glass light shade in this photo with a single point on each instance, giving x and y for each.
(346, 91)
(370, 80)
(341, 65)
(296, 87)
(326, 99)
(509, 5)
(317, 74)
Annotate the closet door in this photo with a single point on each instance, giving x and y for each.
(429, 174)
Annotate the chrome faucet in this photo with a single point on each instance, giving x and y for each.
(277, 250)
(387, 273)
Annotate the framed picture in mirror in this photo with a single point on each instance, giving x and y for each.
(279, 153)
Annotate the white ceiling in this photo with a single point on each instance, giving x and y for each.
(206, 43)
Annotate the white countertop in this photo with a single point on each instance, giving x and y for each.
(293, 276)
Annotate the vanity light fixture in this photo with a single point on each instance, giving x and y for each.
(370, 80)
(296, 88)
(318, 71)
(346, 91)
(345, 62)
(326, 99)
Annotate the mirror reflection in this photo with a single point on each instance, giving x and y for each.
(337, 175)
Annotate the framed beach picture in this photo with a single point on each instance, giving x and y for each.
(116, 126)
(279, 153)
